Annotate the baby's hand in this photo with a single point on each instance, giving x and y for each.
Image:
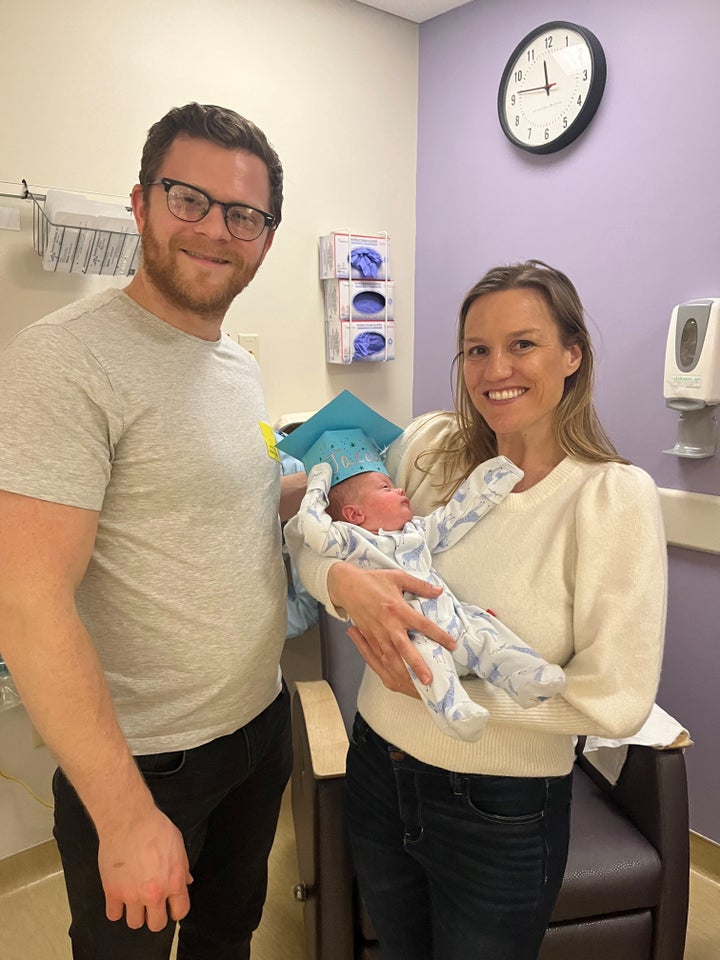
(319, 477)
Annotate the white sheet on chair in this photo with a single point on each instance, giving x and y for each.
(660, 731)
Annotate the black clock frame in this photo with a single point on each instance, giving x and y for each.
(587, 112)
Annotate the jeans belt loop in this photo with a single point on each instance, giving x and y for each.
(456, 784)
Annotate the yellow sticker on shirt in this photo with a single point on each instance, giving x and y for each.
(270, 441)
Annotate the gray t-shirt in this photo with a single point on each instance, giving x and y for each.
(106, 407)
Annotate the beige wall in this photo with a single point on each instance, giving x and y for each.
(332, 82)
(334, 85)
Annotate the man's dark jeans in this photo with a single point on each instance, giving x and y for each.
(224, 797)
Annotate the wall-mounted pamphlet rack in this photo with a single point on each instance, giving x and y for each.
(73, 234)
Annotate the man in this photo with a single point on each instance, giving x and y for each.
(142, 591)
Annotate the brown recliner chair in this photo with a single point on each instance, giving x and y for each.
(625, 892)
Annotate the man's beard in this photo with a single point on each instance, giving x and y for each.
(194, 296)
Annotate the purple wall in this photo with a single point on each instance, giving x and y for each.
(631, 211)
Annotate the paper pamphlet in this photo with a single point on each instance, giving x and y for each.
(88, 236)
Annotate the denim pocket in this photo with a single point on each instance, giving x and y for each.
(161, 764)
(505, 800)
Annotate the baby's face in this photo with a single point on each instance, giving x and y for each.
(384, 506)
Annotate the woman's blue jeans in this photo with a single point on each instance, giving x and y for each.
(453, 866)
(224, 797)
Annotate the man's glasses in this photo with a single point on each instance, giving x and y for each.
(192, 204)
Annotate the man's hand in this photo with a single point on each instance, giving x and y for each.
(292, 490)
(144, 870)
(374, 600)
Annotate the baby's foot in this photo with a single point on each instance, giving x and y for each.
(531, 686)
(465, 721)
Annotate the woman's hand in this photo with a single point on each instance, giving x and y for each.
(391, 669)
(374, 601)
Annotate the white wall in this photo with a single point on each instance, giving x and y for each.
(332, 82)
(334, 85)
(23, 820)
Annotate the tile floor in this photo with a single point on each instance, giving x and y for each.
(34, 915)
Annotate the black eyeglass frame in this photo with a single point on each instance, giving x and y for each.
(167, 183)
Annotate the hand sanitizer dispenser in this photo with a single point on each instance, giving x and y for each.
(692, 375)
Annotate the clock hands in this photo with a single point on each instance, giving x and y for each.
(546, 86)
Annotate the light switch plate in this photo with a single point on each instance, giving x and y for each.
(251, 342)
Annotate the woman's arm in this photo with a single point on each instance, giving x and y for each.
(618, 614)
(620, 600)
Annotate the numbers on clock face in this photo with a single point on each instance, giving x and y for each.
(547, 86)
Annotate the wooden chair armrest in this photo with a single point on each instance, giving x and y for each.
(326, 883)
(326, 735)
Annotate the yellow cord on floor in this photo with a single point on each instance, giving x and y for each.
(6, 776)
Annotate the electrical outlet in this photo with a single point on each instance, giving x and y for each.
(251, 342)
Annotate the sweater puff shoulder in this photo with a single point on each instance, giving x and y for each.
(426, 433)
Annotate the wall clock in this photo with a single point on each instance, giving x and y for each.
(551, 86)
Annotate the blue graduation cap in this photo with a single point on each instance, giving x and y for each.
(347, 434)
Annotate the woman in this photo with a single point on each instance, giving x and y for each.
(460, 848)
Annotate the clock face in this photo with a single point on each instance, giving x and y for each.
(551, 87)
